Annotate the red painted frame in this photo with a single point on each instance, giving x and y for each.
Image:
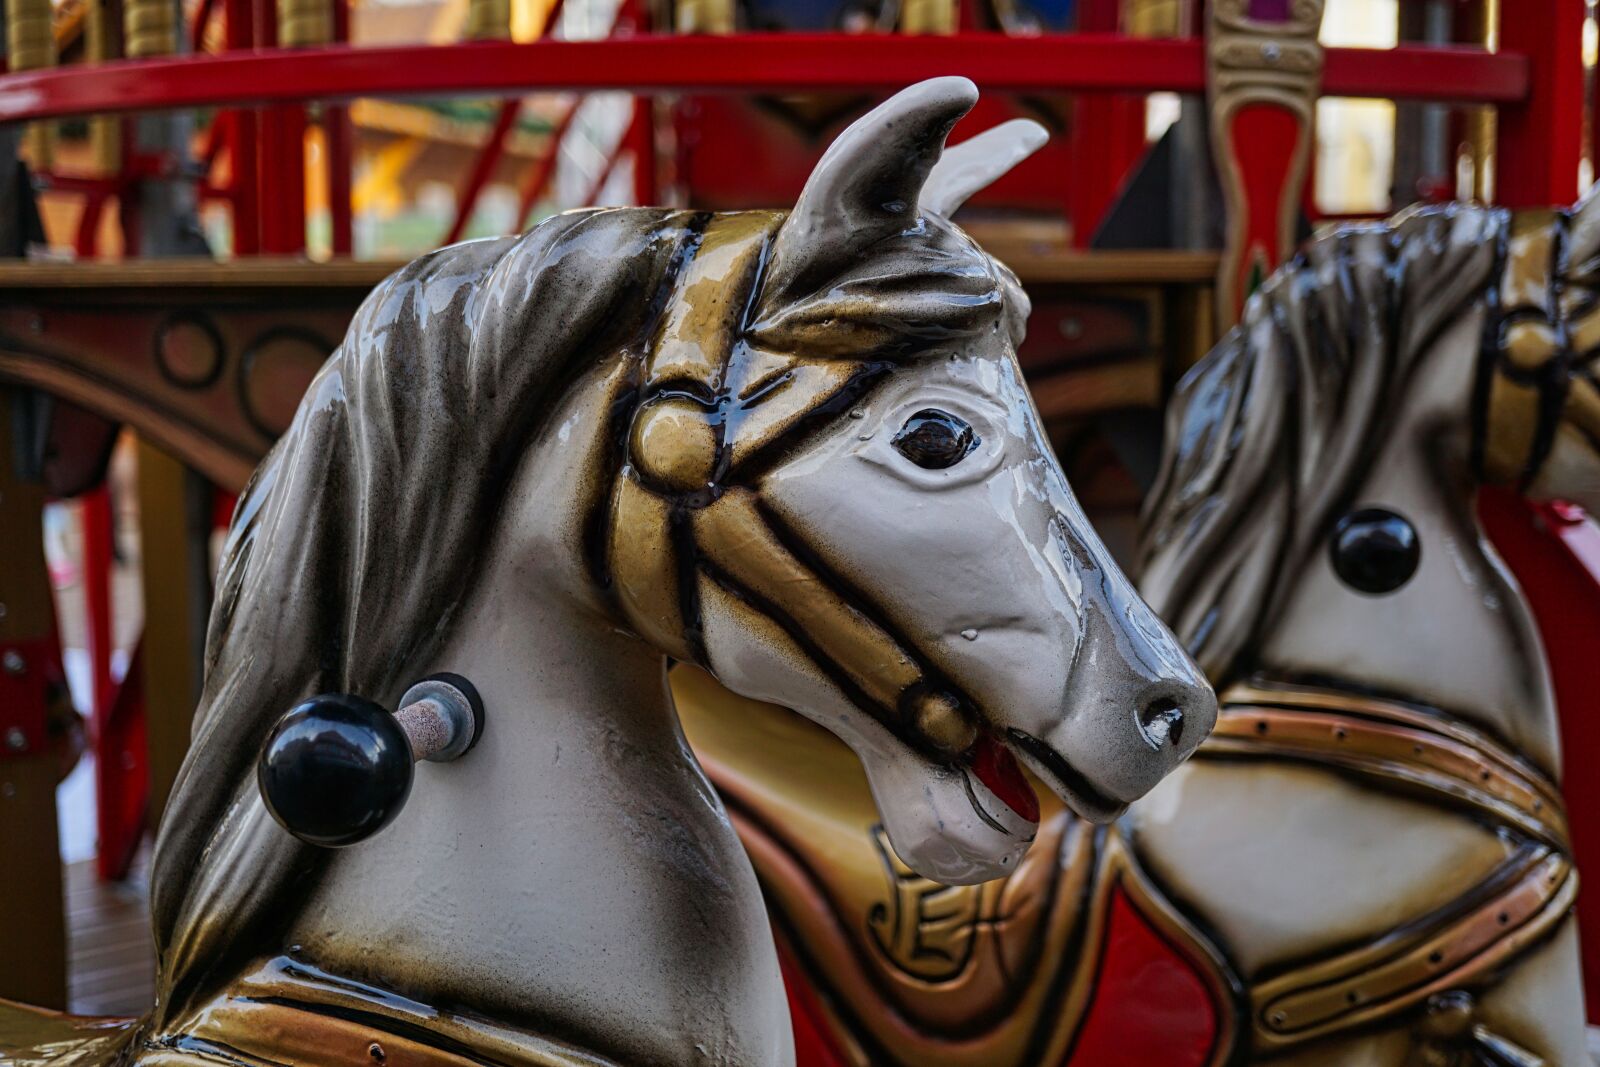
(1082, 63)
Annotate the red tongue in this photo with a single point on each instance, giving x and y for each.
(998, 769)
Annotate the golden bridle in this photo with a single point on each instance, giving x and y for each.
(1536, 372)
(685, 522)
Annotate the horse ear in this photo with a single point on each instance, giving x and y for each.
(1583, 238)
(868, 183)
(979, 161)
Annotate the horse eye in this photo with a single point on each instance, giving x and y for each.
(935, 439)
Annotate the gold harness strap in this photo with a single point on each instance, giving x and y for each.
(1538, 372)
(1404, 748)
(687, 532)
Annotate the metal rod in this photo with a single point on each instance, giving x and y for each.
(483, 168)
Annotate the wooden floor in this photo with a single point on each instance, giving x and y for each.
(110, 958)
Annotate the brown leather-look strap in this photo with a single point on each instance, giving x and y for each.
(1394, 745)
(1417, 751)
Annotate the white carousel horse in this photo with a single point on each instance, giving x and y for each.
(796, 450)
(1376, 840)
(1367, 865)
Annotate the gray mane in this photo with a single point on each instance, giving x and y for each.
(358, 534)
(1271, 433)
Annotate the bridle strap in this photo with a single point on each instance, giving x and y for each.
(1540, 339)
(1421, 753)
(1394, 746)
(1520, 903)
(684, 514)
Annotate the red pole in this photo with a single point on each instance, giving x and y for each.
(88, 239)
(280, 166)
(95, 521)
(1541, 139)
(1107, 132)
(127, 201)
(484, 166)
(340, 149)
(641, 135)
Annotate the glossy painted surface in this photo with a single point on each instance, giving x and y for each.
(1371, 852)
(889, 968)
(546, 463)
(335, 770)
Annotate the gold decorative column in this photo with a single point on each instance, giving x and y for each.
(304, 23)
(149, 28)
(488, 20)
(31, 45)
(1480, 124)
(928, 16)
(704, 16)
(30, 37)
(105, 132)
(1155, 18)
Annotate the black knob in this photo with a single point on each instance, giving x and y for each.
(335, 770)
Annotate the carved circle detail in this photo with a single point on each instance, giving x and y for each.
(188, 350)
(273, 375)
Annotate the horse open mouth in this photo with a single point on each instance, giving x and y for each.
(1062, 777)
(992, 763)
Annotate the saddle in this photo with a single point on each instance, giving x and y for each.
(1080, 957)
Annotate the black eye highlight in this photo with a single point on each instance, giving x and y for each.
(935, 439)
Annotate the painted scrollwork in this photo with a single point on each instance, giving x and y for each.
(1263, 78)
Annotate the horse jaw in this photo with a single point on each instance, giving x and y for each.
(943, 821)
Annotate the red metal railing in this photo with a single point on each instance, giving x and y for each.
(747, 63)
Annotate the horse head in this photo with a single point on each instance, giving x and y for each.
(1540, 398)
(837, 496)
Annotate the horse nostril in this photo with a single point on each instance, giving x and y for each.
(1161, 723)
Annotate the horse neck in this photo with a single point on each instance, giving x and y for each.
(545, 878)
(1459, 635)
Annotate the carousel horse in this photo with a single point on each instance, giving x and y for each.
(795, 450)
(1367, 865)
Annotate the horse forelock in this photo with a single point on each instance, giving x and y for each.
(1270, 434)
